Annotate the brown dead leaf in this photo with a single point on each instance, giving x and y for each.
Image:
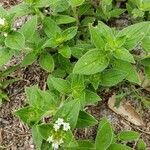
(126, 111)
(145, 82)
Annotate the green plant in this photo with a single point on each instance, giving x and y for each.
(107, 10)
(4, 83)
(81, 54)
(139, 8)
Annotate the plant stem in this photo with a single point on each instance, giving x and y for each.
(75, 14)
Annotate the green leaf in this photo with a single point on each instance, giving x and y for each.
(52, 43)
(141, 145)
(32, 95)
(5, 55)
(145, 44)
(46, 146)
(50, 27)
(132, 74)
(120, 41)
(96, 38)
(42, 100)
(69, 141)
(69, 33)
(80, 49)
(123, 54)
(64, 19)
(95, 80)
(146, 102)
(128, 135)
(147, 71)
(59, 5)
(77, 85)
(106, 2)
(64, 64)
(3, 12)
(117, 12)
(31, 1)
(65, 51)
(19, 10)
(112, 77)
(41, 3)
(47, 62)
(134, 33)
(45, 130)
(8, 71)
(70, 112)
(85, 120)
(146, 61)
(91, 98)
(75, 3)
(37, 139)
(85, 145)
(3, 96)
(29, 28)
(59, 73)
(15, 40)
(91, 62)
(106, 32)
(137, 13)
(29, 115)
(61, 85)
(29, 59)
(119, 147)
(104, 136)
(6, 83)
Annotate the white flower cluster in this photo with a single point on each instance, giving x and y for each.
(2, 21)
(55, 143)
(60, 123)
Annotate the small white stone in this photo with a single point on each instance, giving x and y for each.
(32, 146)
(17, 24)
(66, 126)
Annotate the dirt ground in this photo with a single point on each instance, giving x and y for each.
(14, 135)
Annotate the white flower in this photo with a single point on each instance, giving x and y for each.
(2, 21)
(60, 121)
(55, 145)
(5, 34)
(56, 127)
(66, 126)
(61, 141)
(50, 139)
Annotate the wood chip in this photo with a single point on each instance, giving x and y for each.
(1, 139)
(126, 111)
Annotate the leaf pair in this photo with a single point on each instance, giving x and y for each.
(41, 102)
(109, 44)
(107, 140)
(56, 36)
